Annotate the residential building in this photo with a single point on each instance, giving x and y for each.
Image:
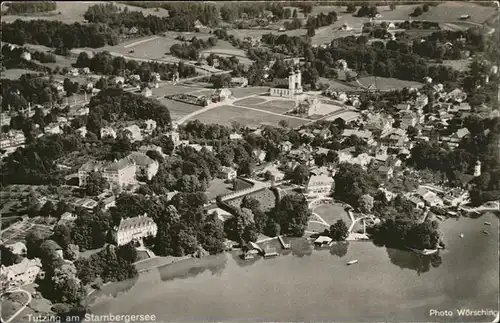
(322, 133)
(457, 95)
(17, 248)
(12, 139)
(82, 131)
(366, 135)
(198, 147)
(146, 92)
(461, 133)
(239, 82)
(133, 133)
(477, 169)
(346, 156)
(52, 129)
(23, 273)
(86, 169)
(67, 217)
(421, 100)
(308, 107)
(274, 173)
(26, 56)
(286, 146)
(320, 184)
(150, 126)
(156, 77)
(228, 173)
(119, 80)
(417, 203)
(146, 167)
(408, 118)
(379, 122)
(223, 94)
(293, 87)
(260, 154)
(385, 172)
(430, 198)
(120, 173)
(456, 197)
(133, 229)
(74, 72)
(109, 202)
(108, 132)
(235, 136)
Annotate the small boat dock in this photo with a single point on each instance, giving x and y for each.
(270, 253)
(352, 262)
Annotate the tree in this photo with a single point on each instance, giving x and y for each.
(220, 81)
(62, 235)
(355, 182)
(284, 123)
(47, 209)
(339, 231)
(417, 12)
(311, 32)
(392, 6)
(127, 252)
(33, 241)
(96, 184)
(425, 7)
(66, 285)
(212, 235)
(294, 14)
(292, 214)
(366, 203)
(351, 8)
(300, 174)
(8, 257)
(71, 252)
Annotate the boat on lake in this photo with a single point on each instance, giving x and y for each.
(485, 232)
(461, 235)
(487, 223)
(352, 262)
(424, 252)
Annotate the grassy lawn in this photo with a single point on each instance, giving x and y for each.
(240, 92)
(11, 303)
(141, 255)
(385, 83)
(452, 10)
(317, 227)
(338, 85)
(225, 115)
(206, 92)
(257, 33)
(152, 48)
(178, 109)
(15, 73)
(70, 12)
(461, 65)
(276, 106)
(218, 187)
(266, 198)
(250, 101)
(331, 213)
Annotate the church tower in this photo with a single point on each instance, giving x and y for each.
(298, 80)
(291, 81)
(477, 169)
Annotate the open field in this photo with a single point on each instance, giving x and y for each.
(339, 85)
(385, 83)
(178, 109)
(266, 198)
(12, 303)
(276, 106)
(331, 213)
(240, 92)
(452, 10)
(218, 187)
(73, 11)
(169, 89)
(206, 92)
(15, 73)
(316, 226)
(461, 65)
(250, 101)
(225, 115)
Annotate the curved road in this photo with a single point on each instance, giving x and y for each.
(22, 307)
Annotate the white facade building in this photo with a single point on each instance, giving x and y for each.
(134, 229)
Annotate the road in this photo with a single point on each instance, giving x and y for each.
(22, 307)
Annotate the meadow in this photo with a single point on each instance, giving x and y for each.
(73, 11)
(331, 213)
(385, 83)
(225, 115)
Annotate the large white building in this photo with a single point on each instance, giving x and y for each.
(145, 166)
(320, 184)
(23, 273)
(135, 228)
(294, 85)
(120, 173)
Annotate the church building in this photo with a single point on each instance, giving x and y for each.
(294, 85)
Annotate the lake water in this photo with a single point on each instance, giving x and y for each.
(316, 285)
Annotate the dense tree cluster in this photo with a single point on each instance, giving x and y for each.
(367, 11)
(28, 88)
(354, 182)
(36, 163)
(192, 50)
(15, 8)
(339, 231)
(291, 214)
(11, 58)
(110, 264)
(105, 63)
(112, 104)
(321, 20)
(188, 171)
(58, 35)
(401, 233)
(227, 63)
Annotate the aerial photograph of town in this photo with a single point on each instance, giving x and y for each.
(250, 161)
